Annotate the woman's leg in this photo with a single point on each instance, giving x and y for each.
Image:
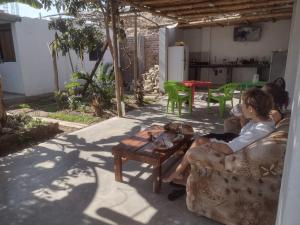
(183, 165)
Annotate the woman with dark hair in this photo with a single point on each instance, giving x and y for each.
(280, 98)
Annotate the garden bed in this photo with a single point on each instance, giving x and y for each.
(85, 115)
(23, 131)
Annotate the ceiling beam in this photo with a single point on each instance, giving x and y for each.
(148, 9)
(227, 21)
(208, 4)
(242, 11)
(168, 2)
(233, 7)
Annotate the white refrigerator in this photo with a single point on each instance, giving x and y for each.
(178, 63)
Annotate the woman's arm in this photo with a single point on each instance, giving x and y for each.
(221, 147)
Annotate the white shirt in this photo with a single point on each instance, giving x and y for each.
(250, 133)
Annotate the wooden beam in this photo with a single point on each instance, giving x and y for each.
(207, 4)
(238, 20)
(242, 11)
(233, 7)
(148, 9)
(167, 2)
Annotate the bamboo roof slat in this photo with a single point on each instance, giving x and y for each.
(215, 12)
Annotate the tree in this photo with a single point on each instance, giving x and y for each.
(91, 11)
(80, 36)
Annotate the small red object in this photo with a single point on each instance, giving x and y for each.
(196, 83)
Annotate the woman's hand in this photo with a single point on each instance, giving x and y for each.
(243, 120)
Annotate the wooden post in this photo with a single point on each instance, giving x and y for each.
(118, 168)
(141, 54)
(55, 69)
(3, 116)
(52, 51)
(135, 73)
(115, 56)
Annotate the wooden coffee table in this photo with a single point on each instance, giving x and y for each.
(140, 148)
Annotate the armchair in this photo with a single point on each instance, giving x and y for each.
(241, 188)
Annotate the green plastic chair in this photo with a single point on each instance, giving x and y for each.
(177, 94)
(222, 95)
(249, 84)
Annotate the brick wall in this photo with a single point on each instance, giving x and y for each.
(151, 52)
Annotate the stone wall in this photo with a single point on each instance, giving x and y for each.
(150, 58)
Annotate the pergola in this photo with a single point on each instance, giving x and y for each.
(200, 13)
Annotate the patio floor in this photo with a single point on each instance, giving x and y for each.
(69, 180)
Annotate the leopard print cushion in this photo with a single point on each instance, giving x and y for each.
(241, 188)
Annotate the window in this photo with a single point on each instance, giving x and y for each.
(7, 52)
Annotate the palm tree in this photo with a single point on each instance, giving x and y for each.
(33, 3)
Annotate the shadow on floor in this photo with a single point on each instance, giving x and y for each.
(70, 179)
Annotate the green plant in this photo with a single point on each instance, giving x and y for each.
(102, 89)
(33, 123)
(61, 98)
(24, 106)
(75, 85)
(81, 118)
(74, 102)
(22, 121)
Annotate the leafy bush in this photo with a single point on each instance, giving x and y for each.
(103, 85)
(61, 99)
(99, 93)
(24, 106)
(75, 85)
(21, 121)
(74, 101)
(34, 123)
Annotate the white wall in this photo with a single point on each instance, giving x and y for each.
(219, 42)
(11, 71)
(32, 38)
(289, 204)
(293, 52)
(193, 38)
(174, 35)
(163, 56)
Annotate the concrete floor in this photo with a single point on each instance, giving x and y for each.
(69, 180)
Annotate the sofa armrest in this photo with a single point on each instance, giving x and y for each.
(204, 158)
(260, 159)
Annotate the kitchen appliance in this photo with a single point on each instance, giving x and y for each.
(178, 63)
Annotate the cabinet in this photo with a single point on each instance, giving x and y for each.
(278, 64)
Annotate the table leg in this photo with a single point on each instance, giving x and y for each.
(118, 168)
(193, 94)
(156, 178)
